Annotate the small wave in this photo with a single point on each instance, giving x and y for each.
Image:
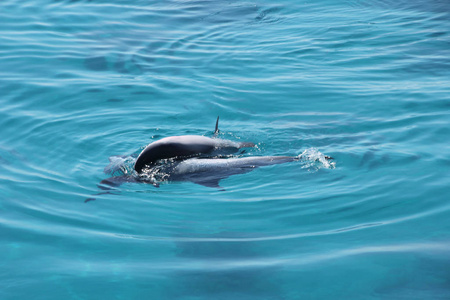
(120, 165)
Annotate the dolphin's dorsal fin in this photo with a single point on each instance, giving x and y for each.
(216, 131)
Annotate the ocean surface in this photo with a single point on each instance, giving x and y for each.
(366, 82)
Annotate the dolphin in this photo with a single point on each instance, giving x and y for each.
(186, 146)
(203, 171)
(208, 171)
(193, 158)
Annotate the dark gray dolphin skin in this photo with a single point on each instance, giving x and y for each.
(185, 146)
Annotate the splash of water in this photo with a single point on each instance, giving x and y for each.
(314, 160)
(120, 165)
(158, 172)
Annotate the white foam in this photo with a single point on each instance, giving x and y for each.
(314, 160)
(120, 165)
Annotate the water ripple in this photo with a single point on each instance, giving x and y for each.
(366, 82)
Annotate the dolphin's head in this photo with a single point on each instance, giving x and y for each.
(140, 164)
(147, 157)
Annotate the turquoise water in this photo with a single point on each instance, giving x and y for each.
(367, 82)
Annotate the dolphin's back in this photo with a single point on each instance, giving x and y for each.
(209, 171)
(199, 165)
(183, 146)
